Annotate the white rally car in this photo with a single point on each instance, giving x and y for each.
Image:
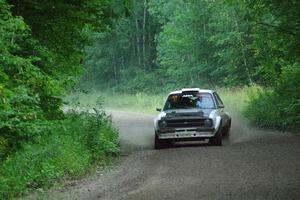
(192, 114)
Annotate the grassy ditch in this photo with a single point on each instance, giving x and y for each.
(68, 148)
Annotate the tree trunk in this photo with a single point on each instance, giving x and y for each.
(243, 51)
(144, 34)
(138, 42)
(115, 69)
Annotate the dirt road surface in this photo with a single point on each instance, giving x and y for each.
(254, 164)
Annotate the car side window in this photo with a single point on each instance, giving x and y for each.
(218, 100)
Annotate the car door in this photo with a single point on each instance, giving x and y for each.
(220, 106)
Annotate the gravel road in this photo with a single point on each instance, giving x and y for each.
(254, 164)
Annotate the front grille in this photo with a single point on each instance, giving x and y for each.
(185, 123)
(193, 114)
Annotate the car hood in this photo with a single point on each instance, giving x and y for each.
(186, 113)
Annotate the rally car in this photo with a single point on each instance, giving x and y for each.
(191, 114)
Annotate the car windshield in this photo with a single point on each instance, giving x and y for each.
(189, 100)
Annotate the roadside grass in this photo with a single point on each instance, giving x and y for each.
(139, 102)
(235, 100)
(68, 149)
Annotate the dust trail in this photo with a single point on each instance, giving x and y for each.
(243, 131)
(136, 135)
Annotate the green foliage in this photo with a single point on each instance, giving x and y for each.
(275, 30)
(62, 27)
(22, 83)
(280, 107)
(126, 50)
(275, 34)
(249, 45)
(41, 52)
(200, 44)
(70, 147)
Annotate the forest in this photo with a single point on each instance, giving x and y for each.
(41, 53)
(50, 48)
(170, 44)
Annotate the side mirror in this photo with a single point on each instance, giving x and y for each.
(158, 109)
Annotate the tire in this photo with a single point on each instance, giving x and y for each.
(226, 130)
(217, 139)
(157, 142)
(160, 144)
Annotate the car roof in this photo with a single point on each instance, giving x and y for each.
(192, 90)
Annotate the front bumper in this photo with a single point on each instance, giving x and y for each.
(186, 134)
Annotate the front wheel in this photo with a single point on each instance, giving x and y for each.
(217, 139)
(226, 130)
(158, 143)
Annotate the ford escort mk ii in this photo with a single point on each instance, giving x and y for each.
(192, 114)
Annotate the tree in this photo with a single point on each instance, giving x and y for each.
(125, 51)
(41, 52)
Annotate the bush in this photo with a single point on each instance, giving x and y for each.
(28, 94)
(278, 108)
(69, 148)
(39, 144)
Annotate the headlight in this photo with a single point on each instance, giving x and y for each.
(162, 123)
(208, 123)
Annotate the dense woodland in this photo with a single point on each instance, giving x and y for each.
(41, 53)
(170, 44)
(130, 46)
(205, 43)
